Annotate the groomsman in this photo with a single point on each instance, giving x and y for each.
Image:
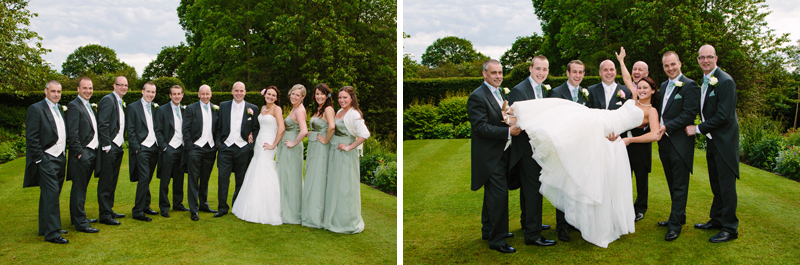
(143, 149)
(235, 131)
(571, 90)
(606, 94)
(521, 164)
(720, 125)
(169, 133)
(680, 97)
(199, 122)
(489, 155)
(111, 127)
(45, 159)
(83, 145)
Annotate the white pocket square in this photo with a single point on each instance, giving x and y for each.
(249, 119)
(619, 103)
(712, 94)
(677, 97)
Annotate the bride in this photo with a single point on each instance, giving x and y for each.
(259, 199)
(584, 174)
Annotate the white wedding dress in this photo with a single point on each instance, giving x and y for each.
(583, 174)
(259, 199)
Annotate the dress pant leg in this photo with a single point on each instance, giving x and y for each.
(209, 155)
(194, 166)
(164, 175)
(240, 163)
(177, 178)
(144, 161)
(495, 197)
(680, 192)
(80, 182)
(725, 195)
(532, 198)
(107, 180)
(50, 168)
(225, 161)
(640, 205)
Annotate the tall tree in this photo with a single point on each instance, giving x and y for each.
(21, 63)
(449, 50)
(523, 50)
(166, 63)
(92, 59)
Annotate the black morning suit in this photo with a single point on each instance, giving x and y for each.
(675, 148)
(489, 162)
(722, 152)
(525, 170)
(107, 168)
(201, 158)
(233, 158)
(142, 159)
(172, 160)
(41, 134)
(80, 134)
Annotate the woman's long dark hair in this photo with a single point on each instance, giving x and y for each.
(354, 103)
(322, 87)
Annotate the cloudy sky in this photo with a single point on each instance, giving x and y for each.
(136, 30)
(492, 28)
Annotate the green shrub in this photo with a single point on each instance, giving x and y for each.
(13, 117)
(370, 162)
(418, 121)
(12, 144)
(788, 162)
(793, 137)
(762, 153)
(443, 131)
(7, 152)
(163, 85)
(453, 110)
(386, 177)
(699, 139)
(760, 140)
(463, 130)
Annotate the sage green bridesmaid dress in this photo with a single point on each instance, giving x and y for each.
(290, 173)
(343, 192)
(316, 175)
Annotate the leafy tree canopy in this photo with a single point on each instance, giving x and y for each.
(93, 59)
(166, 63)
(523, 50)
(21, 63)
(452, 50)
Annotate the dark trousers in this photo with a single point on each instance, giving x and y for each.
(677, 175)
(723, 186)
(50, 168)
(494, 216)
(640, 205)
(231, 159)
(146, 159)
(107, 180)
(171, 168)
(530, 198)
(81, 169)
(200, 163)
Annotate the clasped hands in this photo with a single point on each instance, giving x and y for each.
(508, 118)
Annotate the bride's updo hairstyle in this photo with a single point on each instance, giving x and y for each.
(277, 94)
(653, 86)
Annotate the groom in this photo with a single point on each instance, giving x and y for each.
(680, 97)
(489, 155)
(521, 163)
(235, 131)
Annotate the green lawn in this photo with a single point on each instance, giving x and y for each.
(178, 239)
(441, 218)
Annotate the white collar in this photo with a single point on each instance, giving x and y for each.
(490, 86)
(712, 72)
(533, 83)
(609, 87)
(676, 78)
(572, 88)
(83, 100)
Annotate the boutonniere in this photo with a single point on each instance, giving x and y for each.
(713, 81)
(94, 105)
(124, 105)
(249, 111)
(678, 84)
(585, 93)
(63, 108)
(621, 94)
(546, 88)
(155, 105)
(215, 107)
(183, 106)
(506, 90)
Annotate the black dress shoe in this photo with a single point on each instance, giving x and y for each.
(504, 249)
(723, 236)
(545, 227)
(208, 210)
(639, 216)
(180, 208)
(708, 225)
(220, 214)
(64, 232)
(563, 235)
(484, 238)
(150, 211)
(110, 222)
(117, 215)
(142, 218)
(58, 240)
(195, 217)
(89, 229)
(165, 213)
(663, 223)
(672, 235)
(543, 242)
(91, 221)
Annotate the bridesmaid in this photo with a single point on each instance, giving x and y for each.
(290, 157)
(322, 127)
(343, 192)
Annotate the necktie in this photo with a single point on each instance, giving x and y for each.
(497, 94)
(56, 109)
(575, 95)
(539, 91)
(178, 113)
(120, 103)
(705, 86)
(149, 112)
(205, 107)
(669, 88)
(90, 109)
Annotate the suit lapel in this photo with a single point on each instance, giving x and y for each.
(50, 118)
(244, 116)
(171, 116)
(529, 94)
(601, 90)
(490, 98)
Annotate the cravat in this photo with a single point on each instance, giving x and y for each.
(205, 107)
(539, 91)
(497, 94)
(120, 103)
(178, 113)
(669, 88)
(705, 86)
(90, 109)
(575, 95)
(149, 112)
(56, 109)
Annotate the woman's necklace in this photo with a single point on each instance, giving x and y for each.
(270, 108)
(646, 105)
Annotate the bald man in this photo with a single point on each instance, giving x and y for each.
(605, 95)
(199, 122)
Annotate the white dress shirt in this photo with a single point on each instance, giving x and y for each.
(206, 135)
(93, 144)
(118, 138)
(177, 138)
(609, 90)
(235, 136)
(533, 87)
(61, 144)
(148, 118)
